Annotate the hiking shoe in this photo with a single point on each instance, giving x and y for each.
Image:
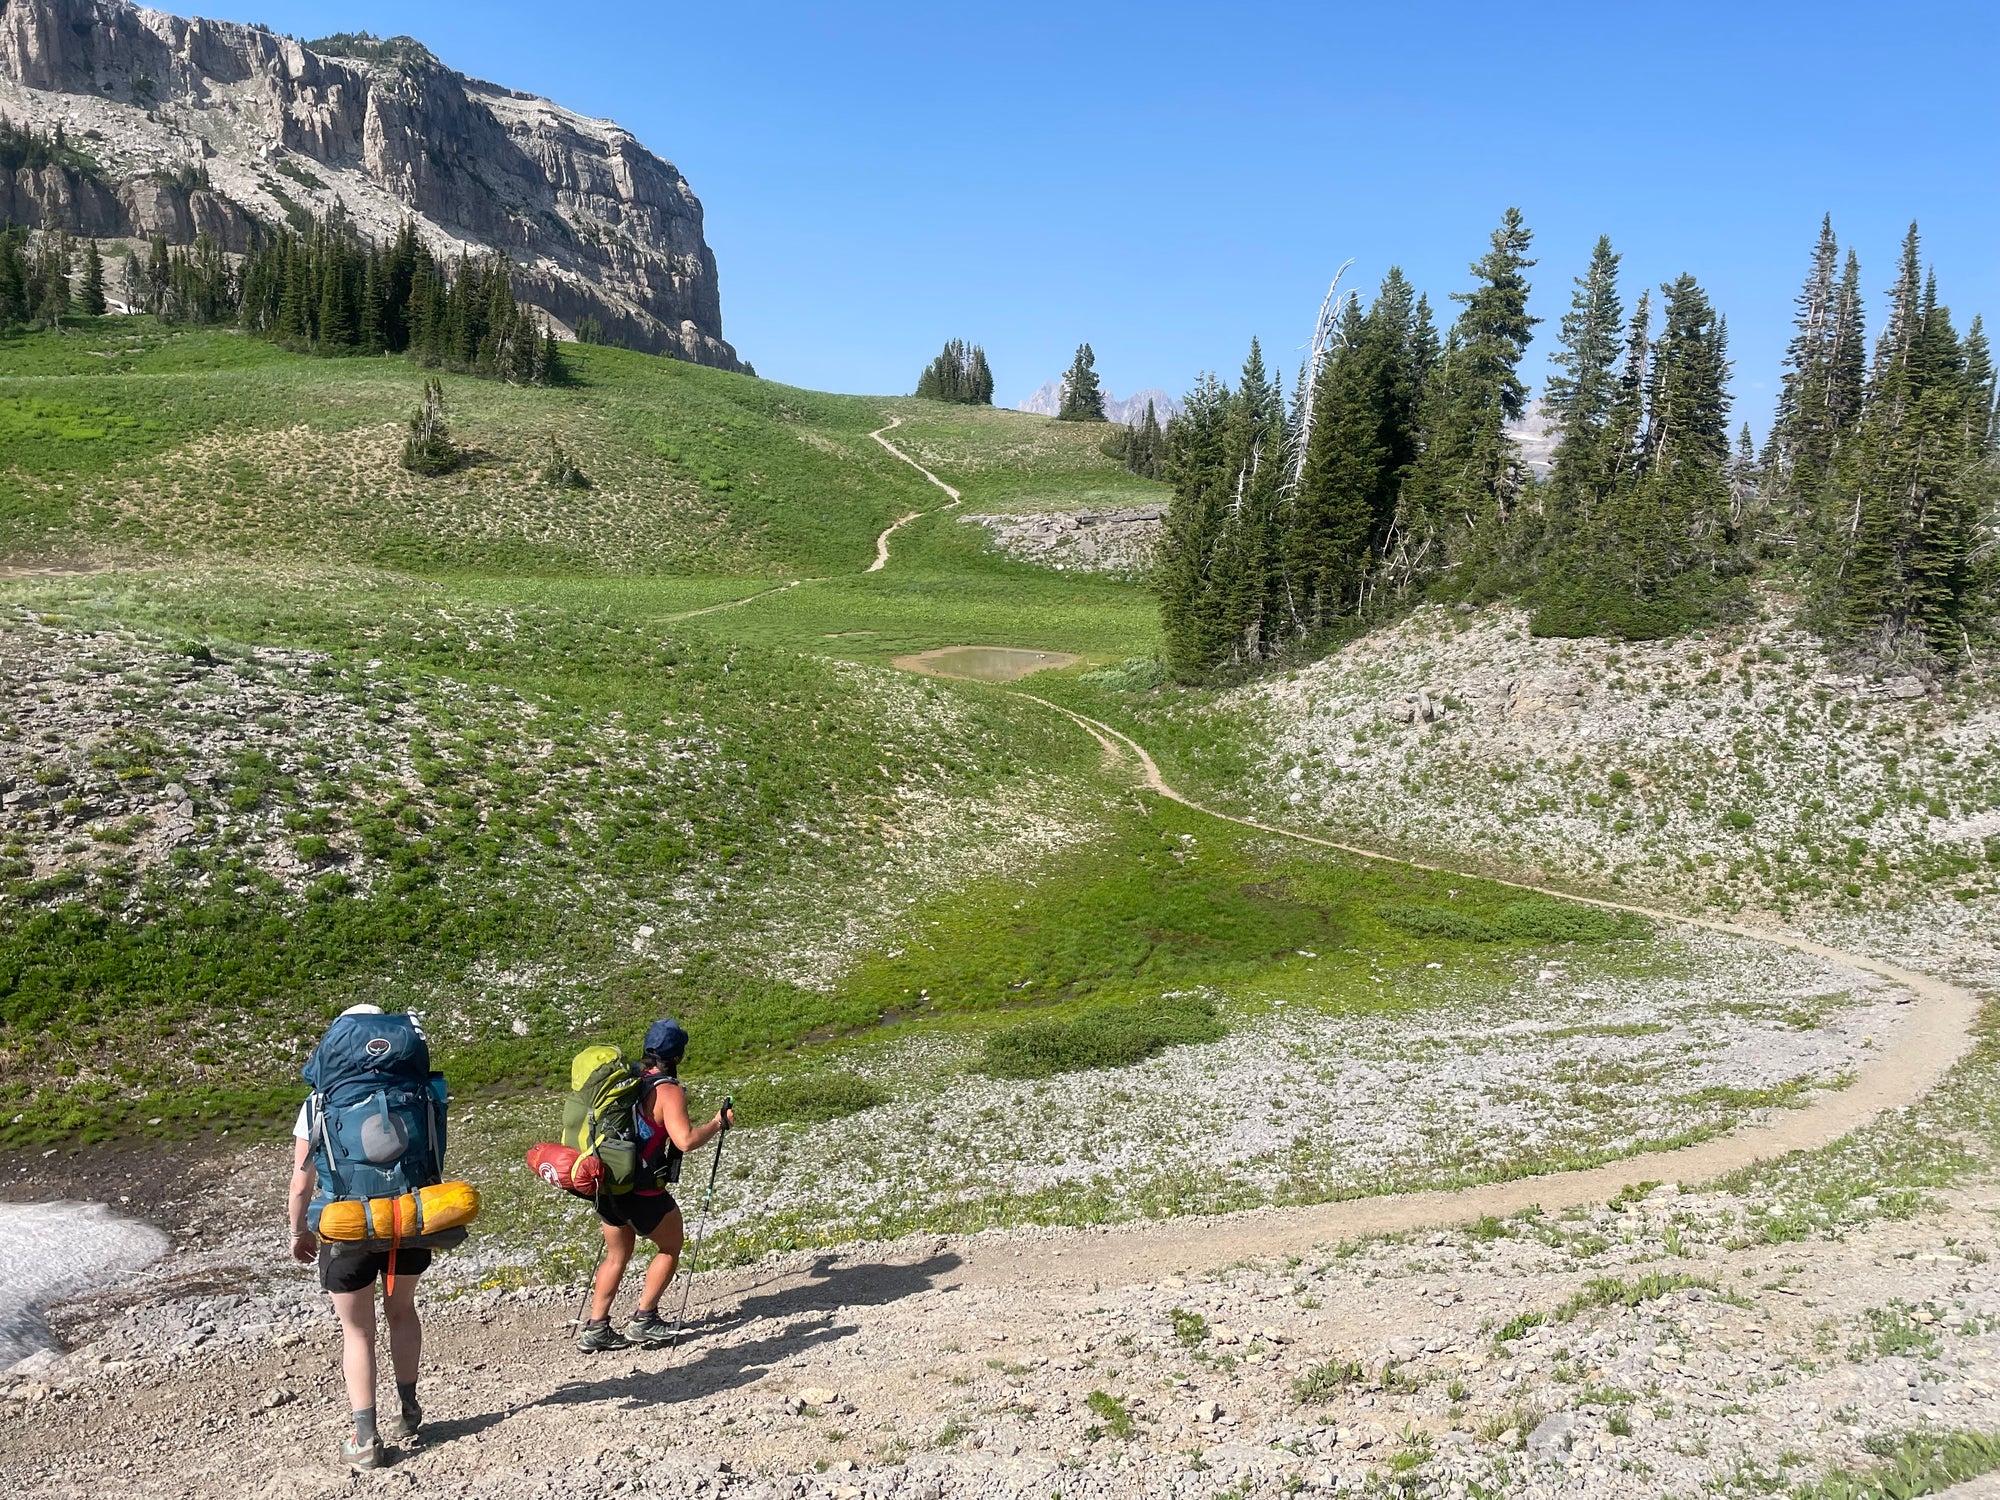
(361, 1455)
(601, 1338)
(409, 1421)
(649, 1330)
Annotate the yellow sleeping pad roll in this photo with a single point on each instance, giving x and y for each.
(443, 1205)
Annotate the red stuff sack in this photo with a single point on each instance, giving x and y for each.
(566, 1168)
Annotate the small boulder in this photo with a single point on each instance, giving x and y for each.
(1553, 1434)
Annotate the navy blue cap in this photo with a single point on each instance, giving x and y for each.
(667, 1040)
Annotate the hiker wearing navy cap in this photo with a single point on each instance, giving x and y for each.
(665, 1134)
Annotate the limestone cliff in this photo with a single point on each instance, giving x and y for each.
(200, 125)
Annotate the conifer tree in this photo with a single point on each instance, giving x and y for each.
(338, 326)
(52, 268)
(370, 336)
(1082, 400)
(1146, 449)
(1820, 399)
(1240, 596)
(90, 298)
(1460, 499)
(1363, 443)
(1195, 633)
(1666, 531)
(156, 274)
(429, 450)
(16, 279)
(1898, 566)
(1579, 399)
(399, 269)
(1746, 488)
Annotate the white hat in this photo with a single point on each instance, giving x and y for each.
(362, 1010)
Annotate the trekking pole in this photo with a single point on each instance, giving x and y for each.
(583, 1307)
(701, 1222)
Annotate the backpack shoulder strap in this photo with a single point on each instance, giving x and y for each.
(317, 1139)
(649, 1085)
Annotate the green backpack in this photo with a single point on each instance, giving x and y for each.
(597, 1116)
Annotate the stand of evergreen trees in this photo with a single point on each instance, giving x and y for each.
(1882, 473)
(329, 293)
(959, 374)
(35, 279)
(322, 292)
(1875, 494)
(185, 284)
(1142, 448)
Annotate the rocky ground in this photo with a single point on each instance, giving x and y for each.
(1646, 1346)
(1764, 1334)
(1737, 770)
(1086, 541)
(1557, 1063)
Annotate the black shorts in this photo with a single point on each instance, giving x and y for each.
(640, 1212)
(348, 1270)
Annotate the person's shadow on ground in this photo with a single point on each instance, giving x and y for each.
(805, 1316)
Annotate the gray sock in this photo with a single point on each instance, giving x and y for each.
(364, 1428)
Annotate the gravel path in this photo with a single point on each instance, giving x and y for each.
(1620, 1351)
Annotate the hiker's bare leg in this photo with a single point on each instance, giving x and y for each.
(356, 1311)
(669, 1238)
(618, 1242)
(406, 1329)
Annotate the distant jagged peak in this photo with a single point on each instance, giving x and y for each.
(1129, 411)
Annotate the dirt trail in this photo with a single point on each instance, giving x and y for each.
(1924, 1047)
(882, 541)
(690, 614)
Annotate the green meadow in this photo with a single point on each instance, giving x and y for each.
(486, 749)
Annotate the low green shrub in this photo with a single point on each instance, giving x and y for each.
(1920, 1463)
(811, 1099)
(1117, 1420)
(1105, 1036)
(1190, 1328)
(1322, 1383)
(1534, 919)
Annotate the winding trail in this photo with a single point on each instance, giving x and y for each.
(1925, 1046)
(691, 614)
(882, 541)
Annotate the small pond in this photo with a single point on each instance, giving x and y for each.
(984, 663)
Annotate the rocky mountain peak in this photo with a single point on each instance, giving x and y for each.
(1130, 411)
(197, 126)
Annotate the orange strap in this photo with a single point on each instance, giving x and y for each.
(396, 1239)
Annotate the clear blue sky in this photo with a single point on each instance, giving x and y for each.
(1165, 180)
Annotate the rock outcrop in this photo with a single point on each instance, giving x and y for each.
(1079, 541)
(197, 125)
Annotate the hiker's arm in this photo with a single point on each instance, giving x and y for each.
(671, 1110)
(305, 1245)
